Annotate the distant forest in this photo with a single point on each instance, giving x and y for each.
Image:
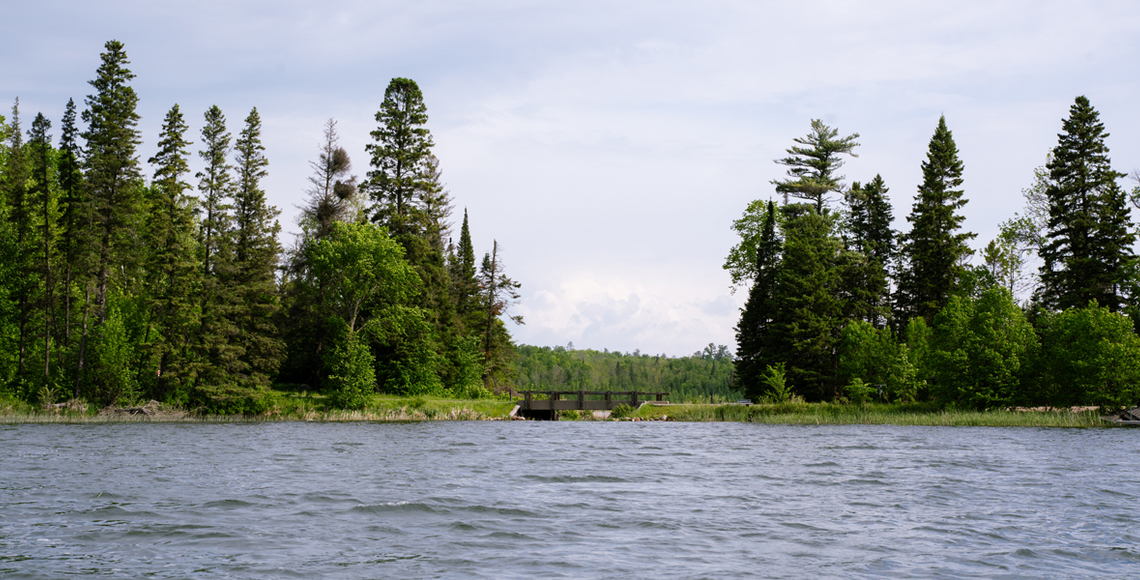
(705, 376)
(842, 307)
(117, 285)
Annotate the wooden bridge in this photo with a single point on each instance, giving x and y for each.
(533, 407)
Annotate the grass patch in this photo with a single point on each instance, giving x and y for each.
(871, 414)
(283, 405)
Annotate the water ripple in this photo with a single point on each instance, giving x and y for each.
(571, 500)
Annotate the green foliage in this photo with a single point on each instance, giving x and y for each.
(744, 259)
(621, 411)
(981, 351)
(871, 357)
(1088, 356)
(706, 376)
(754, 342)
(872, 248)
(859, 392)
(352, 378)
(1089, 234)
(812, 165)
(110, 377)
(401, 152)
(776, 381)
(808, 310)
(934, 248)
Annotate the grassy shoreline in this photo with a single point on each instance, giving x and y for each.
(874, 414)
(386, 408)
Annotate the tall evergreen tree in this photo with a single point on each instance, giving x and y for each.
(871, 236)
(1089, 238)
(934, 248)
(172, 276)
(812, 165)
(401, 153)
(113, 174)
(498, 294)
(256, 254)
(464, 286)
(332, 192)
(332, 199)
(16, 175)
(43, 202)
(75, 220)
(753, 332)
(410, 200)
(219, 354)
(808, 310)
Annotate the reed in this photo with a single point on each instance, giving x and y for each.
(851, 414)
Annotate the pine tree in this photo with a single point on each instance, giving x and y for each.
(498, 294)
(332, 192)
(218, 353)
(1089, 238)
(808, 311)
(813, 164)
(15, 184)
(464, 286)
(76, 219)
(410, 200)
(872, 238)
(401, 153)
(934, 249)
(43, 202)
(256, 254)
(113, 174)
(753, 332)
(172, 275)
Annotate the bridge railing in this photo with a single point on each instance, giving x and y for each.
(578, 400)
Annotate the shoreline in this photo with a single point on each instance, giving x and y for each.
(419, 409)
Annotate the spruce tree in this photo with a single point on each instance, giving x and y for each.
(753, 332)
(873, 241)
(113, 176)
(808, 310)
(497, 294)
(812, 165)
(15, 182)
(400, 158)
(218, 358)
(75, 220)
(43, 203)
(1089, 236)
(256, 254)
(172, 277)
(332, 191)
(410, 200)
(934, 248)
(332, 199)
(464, 286)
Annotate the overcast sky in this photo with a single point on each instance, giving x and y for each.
(609, 146)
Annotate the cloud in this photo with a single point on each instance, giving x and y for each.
(607, 147)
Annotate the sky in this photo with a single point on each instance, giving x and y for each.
(606, 146)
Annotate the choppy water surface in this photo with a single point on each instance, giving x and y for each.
(573, 500)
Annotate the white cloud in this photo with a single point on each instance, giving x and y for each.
(607, 147)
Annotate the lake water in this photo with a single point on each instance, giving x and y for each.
(567, 500)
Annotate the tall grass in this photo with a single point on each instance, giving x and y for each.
(872, 414)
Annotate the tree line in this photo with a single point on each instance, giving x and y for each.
(705, 376)
(116, 285)
(841, 306)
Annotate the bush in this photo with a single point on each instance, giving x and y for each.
(621, 411)
(352, 379)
